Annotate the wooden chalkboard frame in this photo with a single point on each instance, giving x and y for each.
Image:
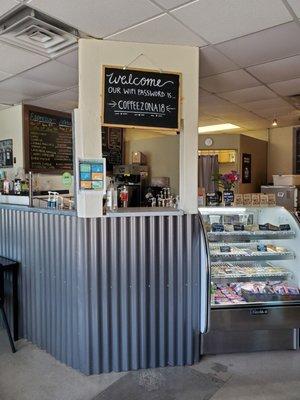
(26, 135)
(102, 97)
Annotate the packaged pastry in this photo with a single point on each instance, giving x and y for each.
(255, 199)
(238, 200)
(264, 199)
(247, 200)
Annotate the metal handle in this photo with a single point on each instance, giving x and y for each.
(204, 240)
(30, 190)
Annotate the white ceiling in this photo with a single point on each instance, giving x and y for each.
(249, 53)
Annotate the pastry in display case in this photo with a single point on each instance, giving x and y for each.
(253, 255)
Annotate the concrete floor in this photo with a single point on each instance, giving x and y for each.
(31, 374)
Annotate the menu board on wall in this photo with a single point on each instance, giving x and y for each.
(140, 98)
(48, 140)
(6, 153)
(112, 146)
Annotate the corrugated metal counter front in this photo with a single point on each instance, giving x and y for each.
(107, 293)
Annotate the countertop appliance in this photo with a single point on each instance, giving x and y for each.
(286, 196)
(250, 279)
(135, 178)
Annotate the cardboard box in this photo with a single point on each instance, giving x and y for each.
(286, 180)
(271, 199)
(138, 158)
(239, 200)
(264, 201)
(247, 199)
(255, 199)
(160, 181)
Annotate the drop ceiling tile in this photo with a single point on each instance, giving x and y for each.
(217, 21)
(205, 119)
(228, 81)
(169, 4)
(98, 18)
(27, 88)
(266, 104)
(65, 100)
(163, 29)
(275, 71)
(248, 94)
(287, 88)
(274, 112)
(271, 44)
(6, 5)
(4, 75)
(213, 62)
(289, 121)
(15, 60)
(211, 100)
(257, 124)
(9, 97)
(295, 4)
(70, 59)
(53, 73)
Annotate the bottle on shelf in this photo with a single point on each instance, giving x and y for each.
(111, 197)
(124, 196)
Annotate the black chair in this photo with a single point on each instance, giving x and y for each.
(11, 266)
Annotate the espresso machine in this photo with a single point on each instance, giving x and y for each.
(135, 179)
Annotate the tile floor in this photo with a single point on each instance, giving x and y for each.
(31, 374)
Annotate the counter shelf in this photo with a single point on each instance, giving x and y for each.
(276, 273)
(254, 256)
(249, 235)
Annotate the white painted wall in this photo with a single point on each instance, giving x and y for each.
(184, 59)
(280, 160)
(11, 127)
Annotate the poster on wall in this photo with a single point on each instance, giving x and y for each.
(6, 153)
(92, 174)
(140, 98)
(246, 168)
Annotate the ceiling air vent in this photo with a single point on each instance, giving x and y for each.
(37, 32)
(294, 100)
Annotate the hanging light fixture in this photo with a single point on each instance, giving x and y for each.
(275, 123)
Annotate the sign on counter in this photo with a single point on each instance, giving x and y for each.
(92, 175)
(141, 98)
(48, 140)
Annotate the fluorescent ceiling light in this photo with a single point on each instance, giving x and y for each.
(215, 128)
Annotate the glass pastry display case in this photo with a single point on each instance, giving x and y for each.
(254, 268)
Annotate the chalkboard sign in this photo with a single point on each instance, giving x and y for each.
(6, 153)
(112, 147)
(48, 140)
(141, 98)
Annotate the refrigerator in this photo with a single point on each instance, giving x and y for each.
(250, 283)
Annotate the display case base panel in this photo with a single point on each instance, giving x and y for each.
(255, 318)
(222, 342)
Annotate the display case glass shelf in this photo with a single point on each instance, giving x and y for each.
(254, 255)
(249, 235)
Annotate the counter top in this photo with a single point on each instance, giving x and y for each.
(122, 212)
(144, 212)
(37, 209)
